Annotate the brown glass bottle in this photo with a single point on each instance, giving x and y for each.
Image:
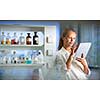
(28, 39)
(35, 39)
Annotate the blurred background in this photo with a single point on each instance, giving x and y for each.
(48, 32)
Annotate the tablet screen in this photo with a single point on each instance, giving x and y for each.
(83, 48)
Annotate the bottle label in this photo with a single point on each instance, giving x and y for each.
(37, 40)
(29, 39)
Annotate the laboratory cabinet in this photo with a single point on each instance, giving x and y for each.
(27, 48)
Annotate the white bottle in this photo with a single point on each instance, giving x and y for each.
(34, 56)
(40, 56)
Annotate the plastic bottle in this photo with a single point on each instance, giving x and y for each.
(40, 56)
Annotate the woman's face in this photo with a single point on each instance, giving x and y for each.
(69, 39)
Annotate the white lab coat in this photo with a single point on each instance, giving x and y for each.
(75, 73)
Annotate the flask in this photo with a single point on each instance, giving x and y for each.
(3, 38)
(35, 39)
(22, 39)
(28, 39)
(8, 39)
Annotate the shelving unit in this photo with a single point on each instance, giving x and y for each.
(48, 29)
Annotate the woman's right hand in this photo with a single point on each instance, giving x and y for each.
(73, 49)
(69, 61)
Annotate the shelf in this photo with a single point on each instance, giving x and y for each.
(37, 65)
(21, 47)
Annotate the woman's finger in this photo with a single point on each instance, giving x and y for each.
(82, 56)
(79, 59)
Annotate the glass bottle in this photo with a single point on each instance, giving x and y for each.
(28, 58)
(22, 39)
(8, 39)
(3, 39)
(8, 59)
(35, 39)
(28, 39)
(14, 39)
(35, 56)
(14, 58)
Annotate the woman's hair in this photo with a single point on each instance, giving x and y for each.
(64, 33)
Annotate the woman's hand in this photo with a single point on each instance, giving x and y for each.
(73, 49)
(83, 61)
(69, 61)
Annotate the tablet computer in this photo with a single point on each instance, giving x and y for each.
(83, 48)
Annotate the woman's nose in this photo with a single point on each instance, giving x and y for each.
(72, 39)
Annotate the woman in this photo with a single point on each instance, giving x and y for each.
(67, 67)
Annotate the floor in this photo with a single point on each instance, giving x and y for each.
(28, 74)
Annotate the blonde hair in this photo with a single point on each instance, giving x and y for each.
(64, 33)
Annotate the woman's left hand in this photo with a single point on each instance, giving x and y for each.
(83, 61)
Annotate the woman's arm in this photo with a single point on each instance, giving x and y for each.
(70, 59)
(69, 62)
(83, 61)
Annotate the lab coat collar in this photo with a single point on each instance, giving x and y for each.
(64, 50)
